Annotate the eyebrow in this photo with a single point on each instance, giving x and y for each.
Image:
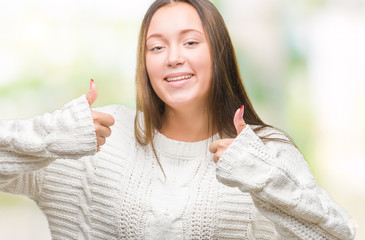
(182, 32)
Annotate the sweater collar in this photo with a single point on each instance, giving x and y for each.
(182, 149)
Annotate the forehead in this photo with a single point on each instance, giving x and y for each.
(175, 17)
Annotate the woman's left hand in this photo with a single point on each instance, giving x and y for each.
(219, 147)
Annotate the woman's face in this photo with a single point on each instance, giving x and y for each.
(178, 56)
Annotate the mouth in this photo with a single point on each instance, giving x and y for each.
(179, 78)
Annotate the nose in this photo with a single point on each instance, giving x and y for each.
(175, 57)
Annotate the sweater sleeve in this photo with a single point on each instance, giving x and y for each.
(29, 145)
(283, 188)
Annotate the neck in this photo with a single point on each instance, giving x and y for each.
(188, 125)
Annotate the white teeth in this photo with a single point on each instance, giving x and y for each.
(178, 78)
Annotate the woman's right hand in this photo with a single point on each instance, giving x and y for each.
(102, 121)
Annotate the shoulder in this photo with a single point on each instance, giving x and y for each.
(275, 140)
(285, 153)
(116, 109)
(122, 114)
(269, 132)
(123, 128)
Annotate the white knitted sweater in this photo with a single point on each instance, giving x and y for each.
(256, 191)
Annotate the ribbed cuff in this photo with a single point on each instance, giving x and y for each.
(77, 121)
(244, 164)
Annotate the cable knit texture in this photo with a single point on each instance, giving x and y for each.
(256, 191)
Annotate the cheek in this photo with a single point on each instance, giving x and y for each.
(153, 71)
(204, 65)
(203, 61)
(151, 66)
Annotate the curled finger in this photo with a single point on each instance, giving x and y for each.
(100, 141)
(103, 131)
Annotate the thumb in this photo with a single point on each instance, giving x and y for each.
(93, 93)
(238, 121)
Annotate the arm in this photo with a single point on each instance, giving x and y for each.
(283, 188)
(27, 145)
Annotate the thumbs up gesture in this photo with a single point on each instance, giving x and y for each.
(102, 121)
(219, 147)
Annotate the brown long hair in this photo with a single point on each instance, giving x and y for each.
(227, 91)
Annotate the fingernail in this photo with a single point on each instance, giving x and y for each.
(241, 111)
(91, 82)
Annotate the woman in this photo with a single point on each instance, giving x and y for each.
(178, 168)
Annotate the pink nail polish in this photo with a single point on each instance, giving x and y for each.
(91, 82)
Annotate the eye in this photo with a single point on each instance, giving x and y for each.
(156, 49)
(191, 43)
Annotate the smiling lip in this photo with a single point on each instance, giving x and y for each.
(177, 77)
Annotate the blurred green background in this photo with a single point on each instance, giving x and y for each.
(302, 63)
